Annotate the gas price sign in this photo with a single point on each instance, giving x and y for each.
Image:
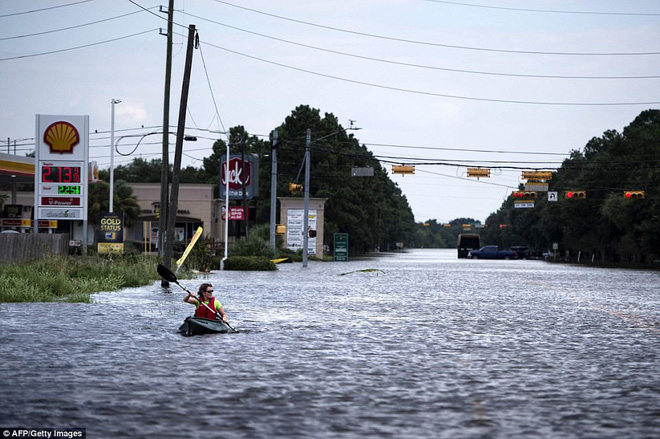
(68, 190)
(60, 174)
(62, 158)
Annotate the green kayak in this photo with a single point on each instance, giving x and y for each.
(200, 326)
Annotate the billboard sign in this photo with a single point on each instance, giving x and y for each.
(240, 173)
(111, 233)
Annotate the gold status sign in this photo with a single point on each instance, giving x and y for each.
(111, 233)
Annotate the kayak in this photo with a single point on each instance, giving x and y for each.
(200, 326)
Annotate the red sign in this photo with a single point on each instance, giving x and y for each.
(236, 175)
(60, 201)
(236, 213)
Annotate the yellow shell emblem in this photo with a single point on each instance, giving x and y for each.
(61, 137)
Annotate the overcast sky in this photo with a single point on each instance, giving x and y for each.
(508, 84)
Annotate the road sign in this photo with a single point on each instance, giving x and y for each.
(523, 205)
(340, 246)
(362, 172)
(552, 196)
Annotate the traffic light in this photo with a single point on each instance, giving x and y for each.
(524, 195)
(633, 194)
(403, 169)
(537, 175)
(575, 195)
(478, 172)
(294, 187)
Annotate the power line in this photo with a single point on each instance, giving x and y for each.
(156, 15)
(72, 27)
(545, 11)
(44, 9)
(422, 66)
(441, 95)
(427, 43)
(465, 149)
(208, 81)
(77, 47)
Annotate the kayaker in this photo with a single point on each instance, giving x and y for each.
(206, 301)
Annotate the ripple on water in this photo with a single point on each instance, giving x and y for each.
(434, 347)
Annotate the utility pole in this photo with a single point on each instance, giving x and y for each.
(174, 193)
(273, 185)
(243, 178)
(308, 144)
(164, 174)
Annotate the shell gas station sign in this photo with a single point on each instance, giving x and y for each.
(62, 161)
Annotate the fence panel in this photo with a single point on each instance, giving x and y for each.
(23, 247)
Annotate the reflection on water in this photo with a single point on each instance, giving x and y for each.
(434, 347)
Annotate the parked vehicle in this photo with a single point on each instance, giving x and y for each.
(466, 243)
(493, 252)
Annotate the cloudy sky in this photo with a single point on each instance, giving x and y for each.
(505, 84)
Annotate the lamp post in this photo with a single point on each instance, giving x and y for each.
(112, 151)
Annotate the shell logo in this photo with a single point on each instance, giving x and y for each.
(61, 137)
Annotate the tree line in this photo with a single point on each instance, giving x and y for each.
(605, 225)
(373, 210)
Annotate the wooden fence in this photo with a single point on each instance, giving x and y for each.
(16, 248)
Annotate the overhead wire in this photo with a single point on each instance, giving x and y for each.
(422, 66)
(428, 43)
(545, 11)
(77, 47)
(72, 27)
(44, 9)
(208, 81)
(441, 95)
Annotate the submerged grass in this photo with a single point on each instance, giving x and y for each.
(73, 278)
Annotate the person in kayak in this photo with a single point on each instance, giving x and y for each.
(205, 303)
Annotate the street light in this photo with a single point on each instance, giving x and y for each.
(112, 151)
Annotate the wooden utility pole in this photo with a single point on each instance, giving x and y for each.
(174, 192)
(165, 171)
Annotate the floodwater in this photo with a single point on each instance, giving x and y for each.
(433, 347)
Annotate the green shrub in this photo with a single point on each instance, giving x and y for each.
(255, 245)
(249, 263)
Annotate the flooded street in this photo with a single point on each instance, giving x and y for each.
(434, 347)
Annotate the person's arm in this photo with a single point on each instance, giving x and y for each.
(221, 311)
(190, 299)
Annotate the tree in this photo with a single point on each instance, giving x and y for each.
(124, 201)
(604, 225)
